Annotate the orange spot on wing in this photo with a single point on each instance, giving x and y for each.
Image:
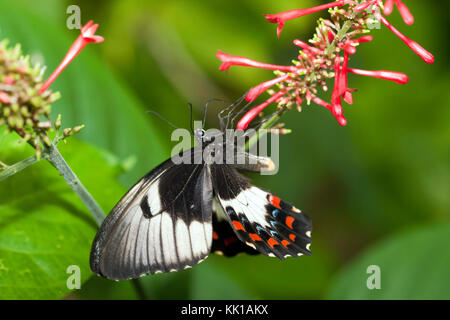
(254, 237)
(271, 242)
(215, 235)
(292, 237)
(289, 221)
(238, 226)
(275, 201)
(285, 243)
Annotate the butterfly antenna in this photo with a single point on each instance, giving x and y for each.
(190, 106)
(205, 110)
(240, 112)
(162, 118)
(257, 125)
(230, 109)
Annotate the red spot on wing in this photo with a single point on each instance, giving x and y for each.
(289, 221)
(292, 237)
(275, 201)
(254, 237)
(285, 243)
(271, 242)
(238, 226)
(215, 235)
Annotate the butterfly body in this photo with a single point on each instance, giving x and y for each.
(178, 213)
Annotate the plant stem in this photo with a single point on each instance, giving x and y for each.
(341, 33)
(52, 154)
(13, 169)
(266, 125)
(56, 159)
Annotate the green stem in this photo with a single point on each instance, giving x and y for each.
(52, 154)
(266, 125)
(19, 166)
(341, 33)
(56, 159)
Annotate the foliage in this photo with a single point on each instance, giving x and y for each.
(420, 273)
(44, 228)
(386, 172)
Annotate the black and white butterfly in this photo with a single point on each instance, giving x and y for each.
(177, 214)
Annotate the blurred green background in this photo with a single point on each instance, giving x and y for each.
(377, 190)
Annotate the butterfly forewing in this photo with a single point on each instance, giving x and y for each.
(162, 224)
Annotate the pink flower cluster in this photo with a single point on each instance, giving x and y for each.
(326, 58)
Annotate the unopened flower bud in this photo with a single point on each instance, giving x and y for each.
(77, 129)
(67, 132)
(58, 122)
(47, 140)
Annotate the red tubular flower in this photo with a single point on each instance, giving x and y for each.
(304, 45)
(336, 93)
(404, 12)
(308, 96)
(362, 39)
(4, 97)
(414, 46)
(9, 80)
(344, 91)
(349, 49)
(348, 97)
(297, 98)
(282, 17)
(398, 77)
(229, 60)
(251, 114)
(388, 7)
(322, 103)
(347, 46)
(337, 112)
(342, 84)
(260, 88)
(328, 23)
(87, 36)
(336, 107)
(341, 119)
(364, 5)
(330, 36)
(402, 8)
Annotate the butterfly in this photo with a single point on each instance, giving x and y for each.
(179, 213)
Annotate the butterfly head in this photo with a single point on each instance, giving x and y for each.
(203, 136)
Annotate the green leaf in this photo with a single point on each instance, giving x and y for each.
(44, 226)
(91, 93)
(413, 265)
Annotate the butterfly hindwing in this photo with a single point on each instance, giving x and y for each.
(162, 224)
(259, 218)
(225, 241)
